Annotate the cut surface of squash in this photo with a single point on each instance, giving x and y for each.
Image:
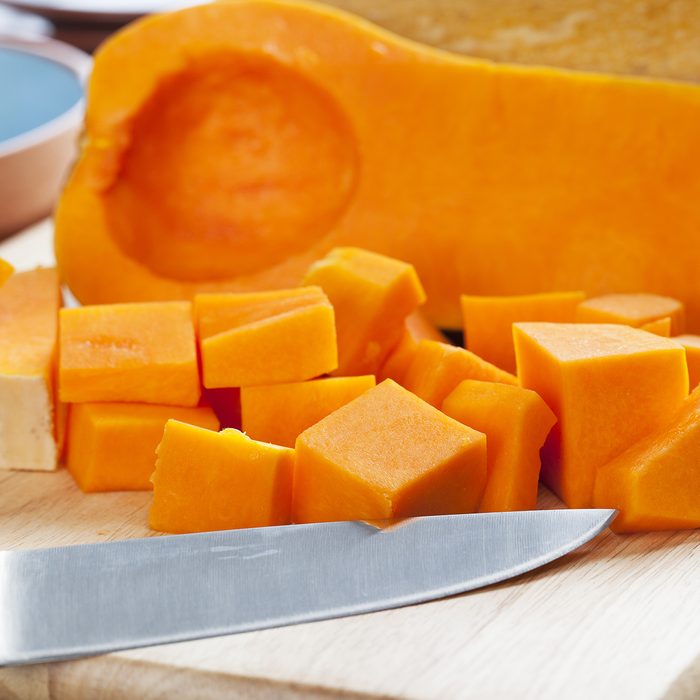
(516, 422)
(387, 454)
(267, 134)
(691, 343)
(218, 481)
(372, 295)
(142, 352)
(488, 321)
(655, 484)
(632, 310)
(30, 419)
(608, 385)
(265, 337)
(112, 446)
(436, 368)
(662, 327)
(281, 412)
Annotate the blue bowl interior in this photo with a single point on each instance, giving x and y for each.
(34, 91)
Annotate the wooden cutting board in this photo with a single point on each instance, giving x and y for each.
(619, 618)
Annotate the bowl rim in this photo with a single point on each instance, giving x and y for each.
(72, 58)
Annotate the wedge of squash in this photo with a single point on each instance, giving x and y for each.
(231, 144)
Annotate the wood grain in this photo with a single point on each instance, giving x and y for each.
(619, 618)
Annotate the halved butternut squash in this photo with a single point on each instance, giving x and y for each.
(229, 145)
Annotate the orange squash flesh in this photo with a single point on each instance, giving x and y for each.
(488, 321)
(144, 353)
(420, 327)
(655, 484)
(5, 271)
(218, 481)
(662, 327)
(632, 310)
(387, 454)
(372, 295)
(266, 337)
(516, 422)
(30, 416)
(112, 446)
(231, 144)
(608, 385)
(281, 412)
(437, 368)
(691, 343)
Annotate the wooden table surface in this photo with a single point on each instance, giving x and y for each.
(619, 618)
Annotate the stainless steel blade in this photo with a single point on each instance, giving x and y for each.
(75, 601)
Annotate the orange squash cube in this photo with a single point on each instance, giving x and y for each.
(655, 484)
(30, 417)
(387, 454)
(437, 368)
(488, 321)
(691, 343)
(608, 385)
(662, 327)
(112, 446)
(419, 327)
(632, 310)
(265, 337)
(281, 412)
(141, 353)
(516, 422)
(372, 295)
(219, 481)
(5, 271)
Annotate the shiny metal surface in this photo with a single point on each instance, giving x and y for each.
(75, 601)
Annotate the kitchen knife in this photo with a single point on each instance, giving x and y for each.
(68, 602)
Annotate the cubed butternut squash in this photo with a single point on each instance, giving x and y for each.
(372, 295)
(516, 422)
(632, 310)
(608, 385)
(387, 454)
(655, 483)
(144, 353)
(488, 321)
(691, 343)
(112, 446)
(265, 337)
(218, 481)
(661, 326)
(437, 368)
(30, 419)
(281, 412)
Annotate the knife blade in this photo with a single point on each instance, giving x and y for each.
(68, 602)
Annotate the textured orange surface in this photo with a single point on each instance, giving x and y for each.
(281, 412)
(372, 295)
(516, 422)
(655, 484)
(387, 454)
(609, 385)
(488, 321)
(632, 310)
(437, 368)
(219, 481)
(265, 337)
(129, 352)
(112, 446)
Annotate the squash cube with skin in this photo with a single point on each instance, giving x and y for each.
(488, 321)
(265, 337)
(655, 483)
(632, 310)
(387, 454)
(437, 368)
(5, 271)
(30, 416)
(112, 446)
(143, 353)
(372, 295)
(691, 343)
(516, 422)
(218, 481)
(608, 385)
(279, 413)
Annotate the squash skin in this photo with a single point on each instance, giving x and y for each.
(503, 192)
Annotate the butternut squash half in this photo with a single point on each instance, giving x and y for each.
(229, 145)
